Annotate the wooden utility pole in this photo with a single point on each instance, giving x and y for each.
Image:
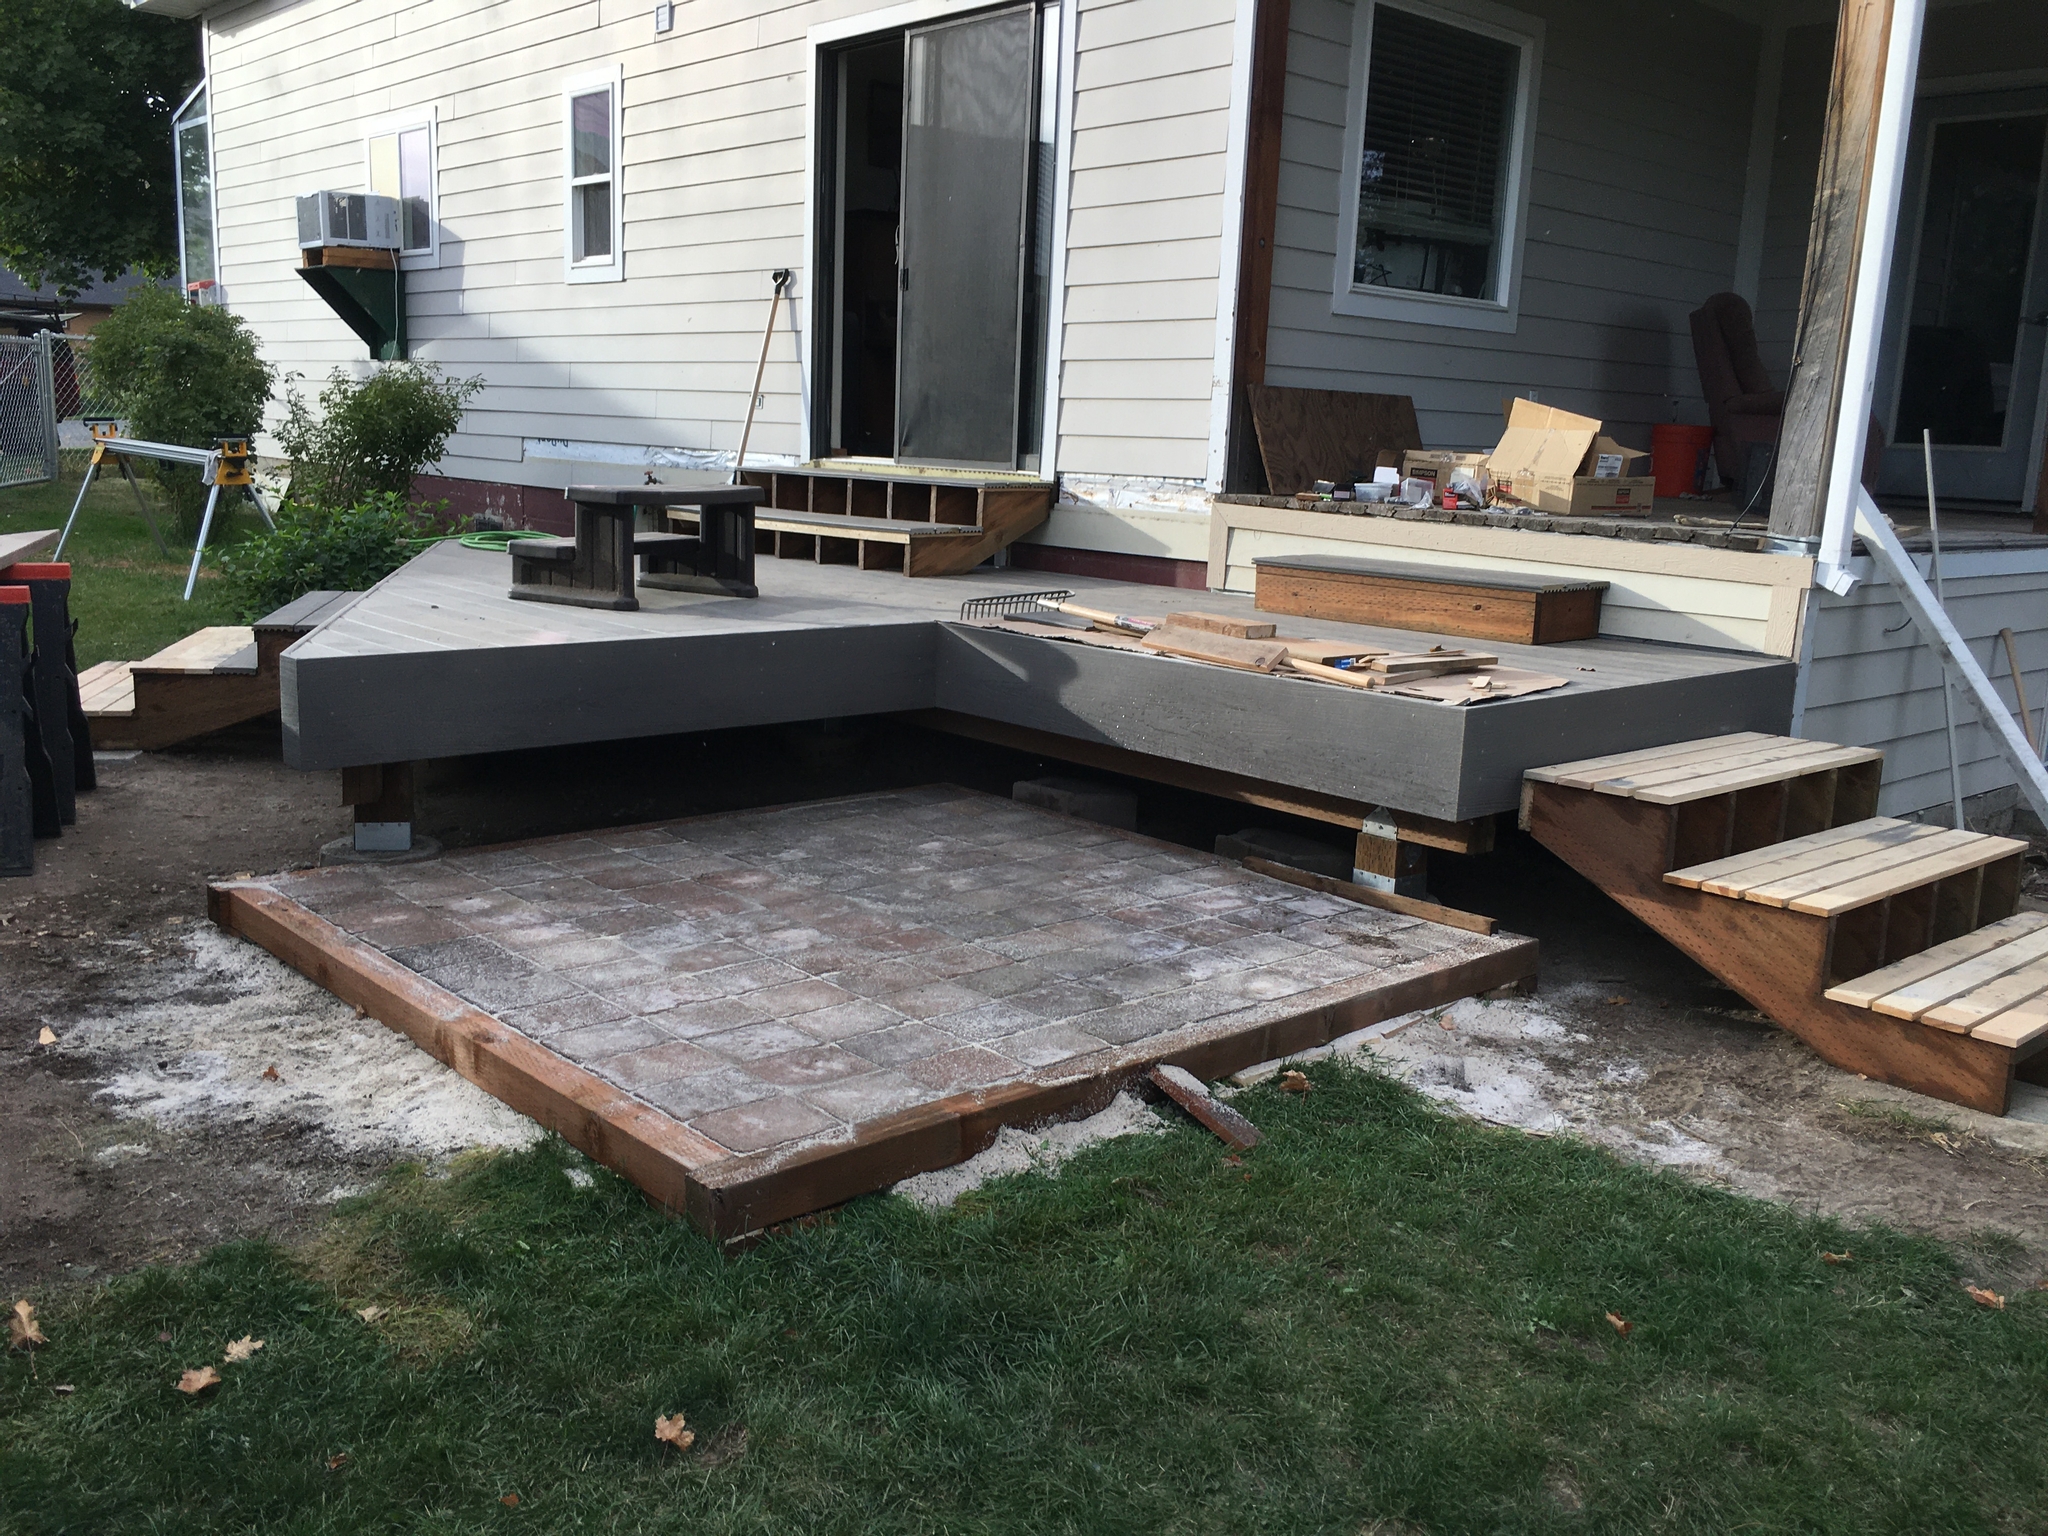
(1834, 253)
(1254, 295)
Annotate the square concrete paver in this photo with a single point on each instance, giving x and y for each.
(783, 977)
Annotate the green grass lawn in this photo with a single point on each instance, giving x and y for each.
(126, 597)
(1381, 1320)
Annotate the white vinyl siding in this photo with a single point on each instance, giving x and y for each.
(711, 166)
(1642, 141)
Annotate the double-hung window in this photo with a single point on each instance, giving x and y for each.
(1437, 152)
(592, 205)
(400, 165)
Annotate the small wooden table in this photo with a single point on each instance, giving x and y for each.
(595, 568)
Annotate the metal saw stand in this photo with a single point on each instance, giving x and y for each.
(226, 464)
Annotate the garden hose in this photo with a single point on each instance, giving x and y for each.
(494, 539)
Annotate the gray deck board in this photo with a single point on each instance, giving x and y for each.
(438, 661)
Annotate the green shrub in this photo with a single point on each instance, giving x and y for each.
(320, 549)
(181, 373)
(371, 435)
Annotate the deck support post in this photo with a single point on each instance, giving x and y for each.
(382, 795)
(1385, 862)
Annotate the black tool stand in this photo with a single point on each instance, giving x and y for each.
(17, 805)
(595, 569)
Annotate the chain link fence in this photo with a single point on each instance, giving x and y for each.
(47, 394)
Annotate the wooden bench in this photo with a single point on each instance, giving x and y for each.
(1437, 600)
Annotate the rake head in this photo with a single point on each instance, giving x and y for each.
(1016, 605)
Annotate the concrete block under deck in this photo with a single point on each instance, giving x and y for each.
(438, 662)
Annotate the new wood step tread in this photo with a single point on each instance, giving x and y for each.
(893, 530)
(1717, 765)
(1991, 985)
(1821, 845)
(1881, 858)
(107, 688)
(222, 648)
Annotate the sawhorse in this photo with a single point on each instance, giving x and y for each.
(225, 465)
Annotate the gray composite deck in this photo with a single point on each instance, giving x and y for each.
(437, 661)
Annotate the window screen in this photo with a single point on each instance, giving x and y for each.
(1440, 110)
(401, 168)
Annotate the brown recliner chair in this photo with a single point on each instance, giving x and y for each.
(1741, 403)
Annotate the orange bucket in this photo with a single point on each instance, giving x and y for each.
(1678, 458)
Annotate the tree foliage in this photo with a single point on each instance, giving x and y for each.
(181, 373)
(371, 435)
(87, 177)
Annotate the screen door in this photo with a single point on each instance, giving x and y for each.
(1968, 334)
(968, 140)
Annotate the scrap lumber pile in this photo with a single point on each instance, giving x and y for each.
(1443, 674)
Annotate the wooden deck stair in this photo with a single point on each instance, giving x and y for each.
(921, 525)
(209, 680)
(1892, 948)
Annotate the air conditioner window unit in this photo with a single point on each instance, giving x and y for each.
(348, 218)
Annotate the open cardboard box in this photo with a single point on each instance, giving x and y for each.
(1553, 461)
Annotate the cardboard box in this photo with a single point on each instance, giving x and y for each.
(1555, 461)
(1437, 467)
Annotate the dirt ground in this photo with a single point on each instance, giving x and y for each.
(199, 1091)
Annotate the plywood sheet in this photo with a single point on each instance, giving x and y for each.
(1306, 435)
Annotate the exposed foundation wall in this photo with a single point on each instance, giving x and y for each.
(1642, 141)
(593, 381)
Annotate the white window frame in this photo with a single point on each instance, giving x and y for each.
(1500, 314)
(208, 295)
(406, 122)
(613, 268)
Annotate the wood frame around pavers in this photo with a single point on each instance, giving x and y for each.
(729, 1195)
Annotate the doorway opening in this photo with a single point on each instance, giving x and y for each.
(934, 240)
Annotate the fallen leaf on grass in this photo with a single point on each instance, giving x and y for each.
(164, 1337)
(192, 1383)
(48, 1036)
(1985, 1298)
(1622, 1325)
(22, 1331)
(1238, 1162)
(64, 1389)
(369, 1314)
(334, 1462)
(1294, 1082)
(243, 1348)
(270, 1075)
(1838, 1258)
(509, 1500)
(670, 1431)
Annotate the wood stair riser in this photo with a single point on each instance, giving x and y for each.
(1779, 960)
(1749, 819)
(1000, 514)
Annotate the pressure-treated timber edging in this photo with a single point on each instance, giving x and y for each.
(728, 1196)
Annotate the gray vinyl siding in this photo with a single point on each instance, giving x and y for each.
(713, 174)
(1642, 140)
(1874, 682)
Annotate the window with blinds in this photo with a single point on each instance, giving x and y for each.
(1441, 103)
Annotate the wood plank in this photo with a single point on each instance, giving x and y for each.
(1221, 650)
(2016, 1027)
(1579, 775)
(1930, 992)
(220, 648)
(1834, 252)
(1431, 663)
(1859, 893)
(1815, 866)
(1865, 990)
(1723, 869)
(1981, 1004)
(1223, 624)
(1307, 435)
(1920, 844)
(1208, 1111)
(1738, 779)
(25, 546)
(1328, 651)
(1365, 896)
(1680, 775)
(107, 689)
